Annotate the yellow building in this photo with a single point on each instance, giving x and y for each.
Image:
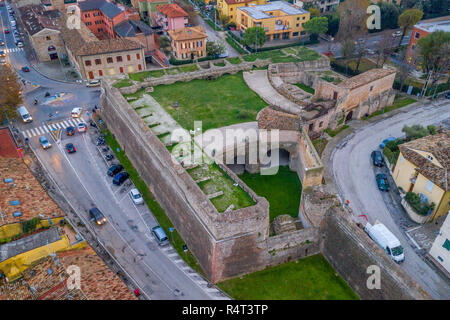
(229, 7)
(422, 167)
(280, 19)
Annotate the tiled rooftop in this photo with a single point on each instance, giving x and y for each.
(439, 146)
(107, 8)
(365, 78)
(260, 12)
(36, 18)
(188, 33)
(172, 10)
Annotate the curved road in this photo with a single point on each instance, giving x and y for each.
(354, 175)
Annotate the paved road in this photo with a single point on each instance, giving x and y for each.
(354, 176)
(81, 177)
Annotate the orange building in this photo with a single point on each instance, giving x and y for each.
(188, 43)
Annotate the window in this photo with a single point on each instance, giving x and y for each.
(298, 18)
(429, 157)
(139, 67)
(231, 17)
(446, 244)
(231, 9)
(100, 73)
(303, 33)
(112, 71)
(98, 61)
(87, 63)
(413, 47)
(128, 57)
(88, 23)
(87, 15)
(119, 58)
(303, 18)
(199, 43)
(48, 38)
(417, 35)
(100, 29)
(109, 60)
(429, 185)
(295, 34)
(121, 69)
(138, 56)
(371, 88)
(320, 124)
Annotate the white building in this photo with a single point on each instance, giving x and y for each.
(440, 251)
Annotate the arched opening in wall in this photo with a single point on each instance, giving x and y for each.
(238, 165)
(349, 116)
(283, 157)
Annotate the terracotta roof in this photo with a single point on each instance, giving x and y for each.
(188, 33)
(269, 118)
(439, 146)
(36, 18)
(172, 10)
(237, 1)
(365, 78)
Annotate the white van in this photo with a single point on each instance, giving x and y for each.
(386, 240)
(26, 117)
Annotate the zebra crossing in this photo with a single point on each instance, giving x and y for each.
(49, 127)
(9, 50)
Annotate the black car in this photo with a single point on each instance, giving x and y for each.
(120, 178)
(115, 169)
(70, 148)
(70, 131)
(377, 158)
(97, 216)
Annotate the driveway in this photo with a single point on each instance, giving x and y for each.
(354, 176)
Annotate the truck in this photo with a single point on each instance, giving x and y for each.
(386, 240)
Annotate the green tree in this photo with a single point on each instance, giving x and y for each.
(164, 44)
(417, 131)
(434, 53)
(389, 15)
(314, 12)
(214, 48)
(315, 26)
(408, 19)
(255, 35)
(333, 24)
(10, 93)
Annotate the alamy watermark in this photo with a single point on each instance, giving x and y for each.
(374, 280)
(74, 279)
(374, 20)
(73, 17)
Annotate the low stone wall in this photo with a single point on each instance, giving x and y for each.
(350, 251)
(412, 214)
(212, 73)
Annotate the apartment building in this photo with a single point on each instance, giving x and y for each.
(280, 19)
(229, 7)
(188, 43)
(325, 6)
(440, 250)
(422, 167)
(139, 32)
(421, 30)
(171, 17)
(101, 16)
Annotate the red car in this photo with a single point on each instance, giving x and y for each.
(6, 31)
(25, 69)
(329, 54)
(70, 148)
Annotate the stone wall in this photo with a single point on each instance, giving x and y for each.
(350, 251)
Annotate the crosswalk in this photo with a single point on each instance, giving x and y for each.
(49, 127)
(13, 50)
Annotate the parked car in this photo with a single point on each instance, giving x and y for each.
(383, 144)
(19, 44)
(76, 112)
(120, 178)
(93, 83)
(70, 148)
(136, 196)
(6, 31)
(114, 169)
(97, 216)
(81, 127)
(377, 158)
(44, 142)
(447, 95)
(2, 53)
(2, 61)
(369, 51)
(160, 235)
(70, 131)
(396, 34)
(386, 240)
(25, 69)
(382, 182)
(329, 54)
(2, 43)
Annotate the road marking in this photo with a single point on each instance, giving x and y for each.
(41, 131)
(46, 129)
(66, 124)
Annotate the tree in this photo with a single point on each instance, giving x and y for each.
(434, 53)
(10, 93)
(315, 26)
(164, 44)
(407, 20)
(255, 35)
(352, 19)
(189, 8)
(389, 15)
(383, 49)
(333, 24)
(417, 131)
(314, 12)
(214, 48)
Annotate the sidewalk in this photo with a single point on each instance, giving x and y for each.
(54, 70)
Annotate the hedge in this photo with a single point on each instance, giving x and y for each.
(423, 208)
(235, 46)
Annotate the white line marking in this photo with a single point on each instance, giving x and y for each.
(46, 129)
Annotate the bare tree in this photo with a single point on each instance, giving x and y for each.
(352, 14)
(383, 49)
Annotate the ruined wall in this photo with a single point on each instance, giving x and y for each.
(350, 251)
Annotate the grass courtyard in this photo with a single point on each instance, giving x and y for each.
(218, 103)
(282, 190)
(311, 278)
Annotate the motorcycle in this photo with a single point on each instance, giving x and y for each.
(105, 149)
(109, 157)
(35, 101)
(100, 142)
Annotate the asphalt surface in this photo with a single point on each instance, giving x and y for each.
(81, 177)
(355, 177)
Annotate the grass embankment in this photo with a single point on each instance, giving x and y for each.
(333, 133)
(283, 190)
(305, 88)
(399, 102)
(221, 102)
(311, 278)
(123, 83)
(153, 205)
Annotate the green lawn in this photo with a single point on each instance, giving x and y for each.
(221, 102)
(152, 204)
(219, 64)
(189, 68)
(234, 60)
(399, 102)
(305, 88)
(311, 278)
(333, 133)
(282, 190)
(123, 83)
(140, 76)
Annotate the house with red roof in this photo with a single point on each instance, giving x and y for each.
(171, 17)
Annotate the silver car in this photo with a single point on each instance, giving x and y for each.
(136, 196)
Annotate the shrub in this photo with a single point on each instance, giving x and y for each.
(30, 225)
(244, 114)
(420, 206)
